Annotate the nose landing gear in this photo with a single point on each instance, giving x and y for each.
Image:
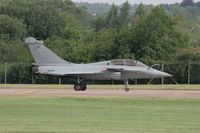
(126, 85)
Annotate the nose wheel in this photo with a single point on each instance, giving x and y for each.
(126, 89)
(126, 85)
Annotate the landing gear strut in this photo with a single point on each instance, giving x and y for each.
(80, 85)
(126, 85)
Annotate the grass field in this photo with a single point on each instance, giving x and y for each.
(98, 115)
(135, 87)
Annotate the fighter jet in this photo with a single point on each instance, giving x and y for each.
(48, 63)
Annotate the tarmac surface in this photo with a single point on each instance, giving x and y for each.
(180, 94)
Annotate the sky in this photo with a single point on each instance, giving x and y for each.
(118, 2)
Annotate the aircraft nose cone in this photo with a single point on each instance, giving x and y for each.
(165, 74)
(162, 74)
(159, 74)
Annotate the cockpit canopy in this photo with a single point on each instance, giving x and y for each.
(128, 62)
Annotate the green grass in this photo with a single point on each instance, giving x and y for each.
(135, 87)
(98, 115)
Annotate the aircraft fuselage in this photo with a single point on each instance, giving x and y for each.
(101, 72)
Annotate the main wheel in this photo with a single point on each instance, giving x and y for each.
(77, 87)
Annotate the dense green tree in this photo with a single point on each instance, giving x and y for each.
(156, 37)
(112, 17)
(188, 22)
(19, 73)
(123, 45)
(80, 52)
(14, 51)
(11, 28)
(105, 45)
(139, 14)
(43, 18)
(192, 29)
(124, 16)
(99, 23)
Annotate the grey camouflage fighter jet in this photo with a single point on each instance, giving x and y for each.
(48, 63)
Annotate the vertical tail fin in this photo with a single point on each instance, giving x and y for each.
(41, 54)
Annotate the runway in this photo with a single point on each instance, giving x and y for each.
(179, 94)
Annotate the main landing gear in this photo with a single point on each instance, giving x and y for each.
(80, 85)
(126, 85)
